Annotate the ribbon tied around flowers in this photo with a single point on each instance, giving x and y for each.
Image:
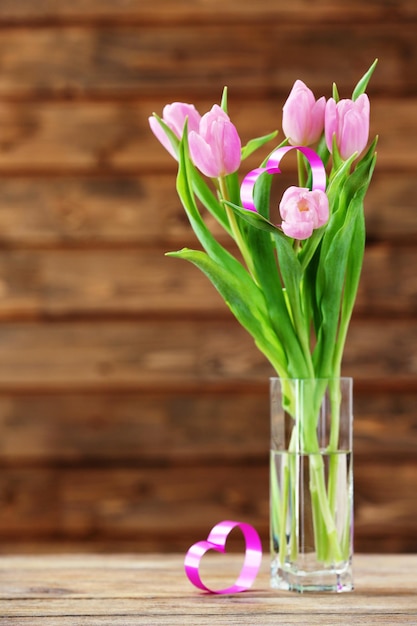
(318, 173)
(216, 541)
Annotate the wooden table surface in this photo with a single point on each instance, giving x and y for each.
(126, 590)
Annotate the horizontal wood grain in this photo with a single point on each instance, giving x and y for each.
(167, 354)
(145, 429)
(144, 210)
(127, 590)
(94, 211)
(135, 504)
(69, 283)
(123, 354)
(139, 429)
(165, 59)
(82, 503)
(94, 282)
(133, 408)
(188, 10)
(85, 137)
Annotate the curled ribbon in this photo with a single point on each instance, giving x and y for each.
(217, 541)
(272, 167)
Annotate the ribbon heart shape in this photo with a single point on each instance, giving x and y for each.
(216, 541)
(318, 173)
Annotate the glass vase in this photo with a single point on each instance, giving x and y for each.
(311, 484)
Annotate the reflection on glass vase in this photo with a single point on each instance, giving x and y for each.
(311, 484)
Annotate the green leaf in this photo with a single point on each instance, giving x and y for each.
(330, 280)
(188, 175)
(260, 218)
(350, 260)
(363, 82)
(358, 182)
(207, 198)
(310, 246)
(368, 158)
(355, 261)
(168, 131)
(254, 218)
(357, 249)
(233, 187)
(311, 307)
(290, 270)
(246, 302)
(322, 150)
(290, 267)
(224, 269)
(262, 194)
(336, 182)
(268, 278)
(255, 144)
(340, 264)
(188, 181)
(223, 103)
(337, 159)
(262, 247)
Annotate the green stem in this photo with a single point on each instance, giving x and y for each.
(275, 500)
(333, 448)
(296, 314)
(340, 344)
(234, 227)
(323, 503)
(318, 526)
(301, 170)
(289, 460)
(328, 540)
(295, 469)
(285, 473)
(305, 398)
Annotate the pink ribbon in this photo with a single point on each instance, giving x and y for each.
(217, 541)
(272, 167)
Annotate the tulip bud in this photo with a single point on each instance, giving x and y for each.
(303, 116)
(215, 148)
(174, 115)
(302, 211)
(348, 120)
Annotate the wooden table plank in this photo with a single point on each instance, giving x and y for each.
(129, 590)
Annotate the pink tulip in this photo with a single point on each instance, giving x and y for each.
(174, 115)
(303, 116)
(349, 121)
(302, 211)
(215, 148)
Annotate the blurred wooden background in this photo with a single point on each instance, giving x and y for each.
(133, 408)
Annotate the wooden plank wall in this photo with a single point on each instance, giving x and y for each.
(133, 409)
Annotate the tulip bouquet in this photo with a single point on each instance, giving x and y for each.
(293, 281)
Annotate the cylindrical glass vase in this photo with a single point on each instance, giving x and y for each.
(311, 484)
